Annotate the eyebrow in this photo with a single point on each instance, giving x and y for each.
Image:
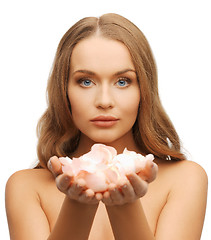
(93, 74)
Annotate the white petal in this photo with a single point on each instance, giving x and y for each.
(125, 162)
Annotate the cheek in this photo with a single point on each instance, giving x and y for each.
(131, 104)
(79, 107)
(73, 104)
(75, 109)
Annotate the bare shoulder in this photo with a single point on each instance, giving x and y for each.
(183, 171)
(194, 171)
(23, 203)
(27, 185)
(34, 173)
(31, 178)
(184, 176)
(186, 183)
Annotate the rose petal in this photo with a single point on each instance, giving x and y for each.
(102, 166)
(139, 164)
(65, 160)
(66, 165)
(112, 175)
(96, 181)
(67, 169)
(125, 163)
(150, 157)
(100, 154)
(78, 164)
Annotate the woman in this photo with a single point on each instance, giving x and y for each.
(103, 89)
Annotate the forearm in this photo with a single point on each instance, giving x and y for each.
(128, 221)
(74, 221)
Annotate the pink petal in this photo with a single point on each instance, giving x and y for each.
(125, 163)
(66, 165)
(112, 175)
(139, 164)
(79, 164)
(102, 153)
(150, 157)
(102, 166)
(65, 160)
(112, 150)
(67, 169)
(96, 181)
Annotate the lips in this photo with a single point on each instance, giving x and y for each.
(104, 121)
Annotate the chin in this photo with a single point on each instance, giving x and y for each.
(105, 141)
(108, 137)
(110, 141)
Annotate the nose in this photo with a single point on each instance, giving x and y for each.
(104, 97)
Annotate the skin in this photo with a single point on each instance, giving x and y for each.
(165, 204)
(103, 83)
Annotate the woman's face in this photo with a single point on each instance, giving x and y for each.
(103, 90)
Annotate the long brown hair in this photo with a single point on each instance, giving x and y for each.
(153, 131)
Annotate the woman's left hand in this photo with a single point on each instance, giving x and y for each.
(133, 188)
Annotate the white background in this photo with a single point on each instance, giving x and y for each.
(179, 33)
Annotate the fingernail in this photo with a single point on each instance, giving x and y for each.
(67, 179)
(49, 165)
(130, 177)
(153, 165)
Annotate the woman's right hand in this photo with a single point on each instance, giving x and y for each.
(74, 189)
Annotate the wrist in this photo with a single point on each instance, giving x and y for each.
(81, 205)
(128, 205)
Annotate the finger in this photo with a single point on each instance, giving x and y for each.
(106, 198)
(154, 171)
(88, 197)
(139, 186)
(75, 190)
(149, 173)
(99, 196)
(55, 166)
(115, 195)
(63, 182)
(128, 192)
(81, 183)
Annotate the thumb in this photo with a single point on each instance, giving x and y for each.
(149, 173)
(55, 166)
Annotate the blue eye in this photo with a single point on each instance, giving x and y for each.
(123, 82)
(85, 82)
